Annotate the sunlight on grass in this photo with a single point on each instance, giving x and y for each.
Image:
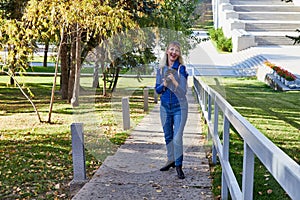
(275, 114)
(36, 158)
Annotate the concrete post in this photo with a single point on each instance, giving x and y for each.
(78, 155)
(155, 96)
(126, 113)
(146, 95)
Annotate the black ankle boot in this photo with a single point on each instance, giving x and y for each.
(168, 166)
(180, 173)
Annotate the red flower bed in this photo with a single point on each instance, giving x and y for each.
(281, 72)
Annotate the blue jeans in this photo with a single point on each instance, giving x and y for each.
(173, 119)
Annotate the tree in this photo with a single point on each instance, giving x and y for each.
(12, 9)
(45, 19)
(89, 22)
(14, 38)
(17, 41)
(12, 33)
(139, 10)
(19, 45)
(296, 39)
(147, 14)
(97, 21)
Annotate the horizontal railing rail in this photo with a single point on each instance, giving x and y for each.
(284, 169)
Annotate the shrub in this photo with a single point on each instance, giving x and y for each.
(223, 43)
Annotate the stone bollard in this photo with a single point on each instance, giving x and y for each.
(146, 95)
(78, 155)
(126, 113)
(155, 96)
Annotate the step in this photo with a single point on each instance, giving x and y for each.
(257, 2)
(268, 25)
(268, 8)
(274, 33)
(273, 38)
(284, 16)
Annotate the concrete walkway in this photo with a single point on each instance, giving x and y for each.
(133, 171)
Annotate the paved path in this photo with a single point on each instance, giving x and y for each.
(133, 172)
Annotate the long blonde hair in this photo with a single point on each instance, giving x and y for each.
(164, 60)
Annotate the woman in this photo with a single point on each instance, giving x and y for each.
(171, 84)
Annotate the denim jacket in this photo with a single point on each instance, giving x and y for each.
(170, 94)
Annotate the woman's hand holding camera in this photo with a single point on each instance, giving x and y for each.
(170, 78)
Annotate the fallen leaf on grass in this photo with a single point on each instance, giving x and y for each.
(269, 191)
(57, 186)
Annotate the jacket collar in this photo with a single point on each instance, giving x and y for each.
(176, 64)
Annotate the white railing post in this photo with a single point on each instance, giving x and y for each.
(248, 173)
(226, 129)
(216, 124)
(200, 96)
(209, 108)
(199, 88)
(203, 97)
(204, 101)
(209, 114)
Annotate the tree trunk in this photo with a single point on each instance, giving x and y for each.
(11, 81)
(96, 75)
(26, 96)
(116, 79)
(46, 54)
(55, 77)
(104, 79)
(12, 53)
(72, 65)
(64, 77)
(75, 98)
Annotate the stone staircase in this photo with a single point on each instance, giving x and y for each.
(268, 22)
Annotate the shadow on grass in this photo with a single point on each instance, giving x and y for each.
(36, 158)
(276, 115)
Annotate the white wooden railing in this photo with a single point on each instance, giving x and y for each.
(284, 169)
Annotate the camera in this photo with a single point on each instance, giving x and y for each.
(168, 72)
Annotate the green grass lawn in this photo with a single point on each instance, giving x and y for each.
(275, 114)
(36, 158)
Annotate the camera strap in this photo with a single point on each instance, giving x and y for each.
(179, 70)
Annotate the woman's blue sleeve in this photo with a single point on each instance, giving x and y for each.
(182, 87)
(159, 87)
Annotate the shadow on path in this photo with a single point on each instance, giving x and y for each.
(133, 172)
